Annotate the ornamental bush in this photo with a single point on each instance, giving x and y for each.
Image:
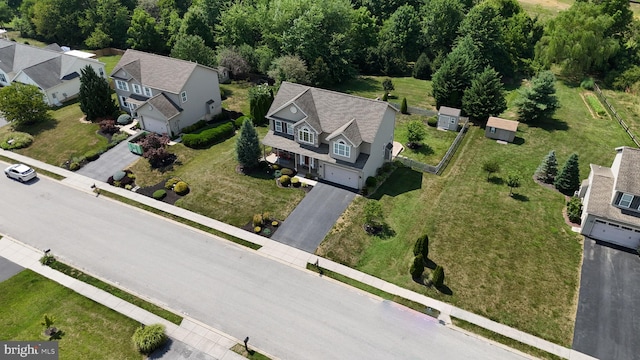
(119, 175)
(181, 188)
(194, 127)
(295, 182)
(257, 229)
(574, 210)
(208, 137)
(417, 267)
(371, 181)
(171, 183)
(15, 140)
(432, 121)
(239, 121)
(286, 171)
(159, 194)
(437, 277)
(285, 180)
(258, 220)
(108, 127)
(92, 155)
(149, 338)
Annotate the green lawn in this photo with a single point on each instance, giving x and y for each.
(91, 331)
(417, 92)
(502, 255)
(237, 96)
(627, 105)
(434, 146)
(110, 62)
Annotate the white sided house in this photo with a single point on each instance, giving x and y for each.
(164, 93)
(55, 72)
(611, 200)
(340, 138)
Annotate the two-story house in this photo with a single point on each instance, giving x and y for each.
(55, 72)
(165, 94)
(341, 138)
(611, 200)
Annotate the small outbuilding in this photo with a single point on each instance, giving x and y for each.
(501, 129)
(448, 118)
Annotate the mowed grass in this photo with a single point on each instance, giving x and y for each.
(434, 145)
(91, 331)
(237, 96)
(511, 259)
(110, 62)
(627, 105)
(217, 190)
(418, 92)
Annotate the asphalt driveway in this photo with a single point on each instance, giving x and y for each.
(117, 158)
(607, 321)
(311, 220)
(8, 269)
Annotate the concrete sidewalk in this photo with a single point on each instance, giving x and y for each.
(299, 258)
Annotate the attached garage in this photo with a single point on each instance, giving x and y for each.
(154, 125)
(615, 234)
(341, 176)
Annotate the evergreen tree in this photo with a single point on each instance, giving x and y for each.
(248, 145)
(538, 101)
(437, 277)
(417, 267)
(485, 96)
(422, 68)
(456, 72)
(95, 95)
(513, 181)
(403, 106)
(387, 85)
(260, 99)
(548, 169)
(421, 247)
(568, 181)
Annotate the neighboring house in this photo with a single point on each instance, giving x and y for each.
(501, 129)
(54, 72)
(611, 200)
(340, 138)
(164, 93)
(448, 118)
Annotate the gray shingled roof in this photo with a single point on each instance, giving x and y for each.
(164, 105)
(332, 110)
(600, 193)
(629, 173)
(350, 131)
(445, 110)
(46, 73)
(156, 71)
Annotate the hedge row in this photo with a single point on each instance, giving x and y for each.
(208, 137)
(195, 127)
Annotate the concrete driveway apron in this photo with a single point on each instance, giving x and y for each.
(607, 321)
(311, 220)
(117, 158)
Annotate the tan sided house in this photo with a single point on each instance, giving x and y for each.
(165, 94)
(338, 137)
(55, 72)
(611, 200)
(501, 129)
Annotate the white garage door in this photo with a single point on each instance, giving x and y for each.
(341, 176)
(154, 125)
(616, 234)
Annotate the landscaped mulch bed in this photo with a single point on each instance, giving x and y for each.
(272, 229)
(171, 197)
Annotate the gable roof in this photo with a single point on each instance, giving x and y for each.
(628, 179)
(350, 131)
(156, 71)
(444, 110)
(330, 110)
(503, 124)
(164, 105)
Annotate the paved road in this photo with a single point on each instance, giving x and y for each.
(313, 218)
(117, 158)
(8, 269)
(290, 313)
(607, 321)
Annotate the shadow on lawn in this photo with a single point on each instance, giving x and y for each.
(495, 180)
(402, 180)
(520, 197)
(551, 125)
(359, 84)
(39, 127)
(422, 149)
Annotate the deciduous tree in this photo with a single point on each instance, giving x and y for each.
(290, 68)
(491, 166)
(514, 180)
(193, 48)
(415, 133)
(143, 32)
(23, 105)
(260, 99)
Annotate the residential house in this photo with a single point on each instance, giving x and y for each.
(166, 94)
(611, 200)
(448, 118)
(501, 129)
(55, 72)
(340, 138)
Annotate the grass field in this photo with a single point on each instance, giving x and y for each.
(502, 255)
(417, 92)
(434, 146)
(91, 331)
(627, 106)
(110, 62)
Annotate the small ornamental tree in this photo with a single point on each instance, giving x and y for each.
(260, 99)
(437, 277)
(248, 145)
(95, 95)
(417, 267)
(403, 106)
(387, 85)
(23, 105)
(421, 247)
(373, 215)
(574, 210)
(491, 166)
(548, 169)
(568, 181)
(513, 181)
(415, 133)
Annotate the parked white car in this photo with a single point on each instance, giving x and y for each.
(20, 172)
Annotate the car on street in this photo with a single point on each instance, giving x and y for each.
(20, 172)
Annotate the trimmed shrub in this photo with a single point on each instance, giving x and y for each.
(171, 183)
(421, 247)
(295, 182)
(258, 220)
(285, 180)
(194, 127)
(275, 223)
(124, 119)
(574, 210)
(74, 166)
(118, 138)
(417, 267)
(149, 338)
(257, 229)
(128, 187)
(432, 121)
(385, 97)
(159, 194)
(587, 84)
(266, 216)
(403, 106)
(181, 188)
(388, 166)
(92, 155)
(275, 167)
(277, 174)
(108, 127)
(239, 121)
(266, 232)
(16, 140)
(437, 277)
(208, 137)
(371, 181)
(47, 260)
(286, 171)
(119, 175)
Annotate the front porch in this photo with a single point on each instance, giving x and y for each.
(302, 164)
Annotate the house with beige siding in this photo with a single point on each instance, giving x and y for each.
(501, 129)
(340, 138)
(611, 200)
(165, 94)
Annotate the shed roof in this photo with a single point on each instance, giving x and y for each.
(444, 110)
(503, 124)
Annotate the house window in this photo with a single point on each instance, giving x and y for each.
(305, 135)
(453, 120)
(123, 101)
(137, 89)
(121, 85)
(492, 130)
(278, 126)
(3, 78)
(289, 129)
(147, 91)
(341, 148)
(625, 200)
(101, 71)
(183, 95)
